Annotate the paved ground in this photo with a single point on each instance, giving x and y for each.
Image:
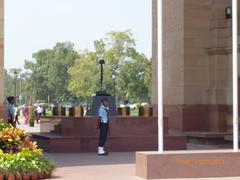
(116, 166)
(28, 129)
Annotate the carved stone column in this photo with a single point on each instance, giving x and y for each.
(3, 107)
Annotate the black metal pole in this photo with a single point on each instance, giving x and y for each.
(15, 86)
(101, 80)
(114, 88)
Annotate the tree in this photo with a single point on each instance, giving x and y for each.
(47, 73)
(64, 57)
(65, 75)
(37, 74)
(8, 84)
(16, 77)
(134, 81)
(122, 59)
(84, 76)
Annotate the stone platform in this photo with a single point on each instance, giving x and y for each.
(126, 134)
(213, 138)
(53, 143)
(188, 164)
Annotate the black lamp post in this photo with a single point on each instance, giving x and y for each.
(15, 83)
(114, 84)
(20, 90)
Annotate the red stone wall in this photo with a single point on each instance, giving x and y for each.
(3, 112)
(1, 51)
(197, 64)
(197, 117)
(119, 126)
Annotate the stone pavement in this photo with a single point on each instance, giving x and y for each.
(89, 166)
(116, 166)
(28, 129)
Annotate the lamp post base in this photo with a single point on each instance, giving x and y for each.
(96, 103)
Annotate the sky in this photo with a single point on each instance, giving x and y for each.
(31, 25)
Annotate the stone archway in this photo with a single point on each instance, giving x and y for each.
(3, 108)
(2, 51)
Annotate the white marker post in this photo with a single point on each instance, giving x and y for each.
(160, 76)
(235, 72)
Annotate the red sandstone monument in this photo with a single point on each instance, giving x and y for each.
(187, 24)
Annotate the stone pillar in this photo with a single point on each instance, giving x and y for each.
(196, 64)
(173, 60)
(1, 51)
(3, 107)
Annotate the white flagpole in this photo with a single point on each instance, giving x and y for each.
(160, 77)
(235, 72)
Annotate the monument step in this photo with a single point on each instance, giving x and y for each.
(212, 138)
(55, 143)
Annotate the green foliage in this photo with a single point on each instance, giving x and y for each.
(18, 77)
(9, 84)
(10, 76)
(133, 70)
(134, 80)
(14, 140)
(25, 162)
(3, 125)
(19, 156)
(47, 74)
(85, 75)
(67, 76)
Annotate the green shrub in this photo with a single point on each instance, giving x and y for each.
(13, 140)
(19, 156)
(26, 162)
(3, 124)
